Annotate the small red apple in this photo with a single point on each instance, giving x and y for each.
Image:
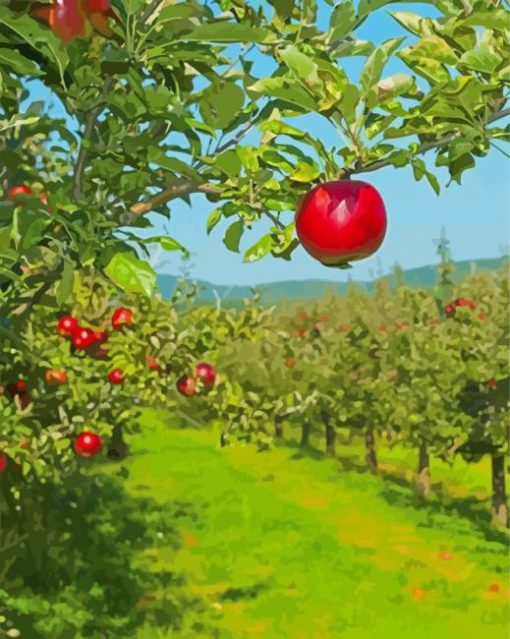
(290, 362)
(186, 385)
(122, 317)
(446, 555)
(492, 383)
(24, 443)
(482, 315)
(87, 444)
(67, 325)
(494, 588)
(53, 376)
(116, 376)
(18, 190)
(4, 461)
(206, 373)
(100, 337)
(341, 221)
(83, 338)
(19, 390)
(152, 363)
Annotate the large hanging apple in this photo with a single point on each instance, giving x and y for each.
(343, 221)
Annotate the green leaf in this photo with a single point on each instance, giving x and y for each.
(127, 105)
(375, 63)
(39, 38)
(260, 249)
(285, 88)
(227, 32)
(16, 62)
(233, 236)
(65, 287)
(389, 88)
(432, 47)
(428, 68)
(131, 274)
(171, 244)
(229, 163)
(414, 23)
(368, 6)
(461, 164)
(343, 18)
(282, 128)
(348, 102)
(305, 172)
(6, 250)
(302, 67)
(483, 59)
(220, 104)
(213, 219)
(284, 8)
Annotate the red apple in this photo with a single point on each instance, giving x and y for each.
(4, 461)
(100, 337)
(494, 588)
(152, 363)
(341, 221)
(67, 325)
(18, 190)
(122, 317)
(482, 315)
(290, 362)
(97, 6)
(83, 338)
(206, 373)
(24, 443)
(186, 385)
(116, 376)
(87, 444)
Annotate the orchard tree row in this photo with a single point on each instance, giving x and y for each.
(422, 369)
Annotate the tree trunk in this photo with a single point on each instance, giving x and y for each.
(370, 452)
(118, 448)
(423, 476)
(330, 436)
(305, 434)
(278, 426)
(499, 497)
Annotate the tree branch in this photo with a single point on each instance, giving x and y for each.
(427, 146)
(179, 189)
(83, 153)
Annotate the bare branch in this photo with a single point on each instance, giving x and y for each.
(179, 189)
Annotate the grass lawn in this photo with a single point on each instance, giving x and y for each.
(285, 545)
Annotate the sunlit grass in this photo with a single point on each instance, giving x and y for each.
(282, 544)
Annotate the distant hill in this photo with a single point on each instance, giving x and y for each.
(425, 276)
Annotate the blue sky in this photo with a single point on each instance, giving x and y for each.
(476, 215)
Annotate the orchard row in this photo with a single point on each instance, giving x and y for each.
(403, 364)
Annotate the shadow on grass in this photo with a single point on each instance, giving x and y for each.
(473, 515)
(88, 563)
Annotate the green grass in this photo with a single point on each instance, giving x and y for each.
(284, 545)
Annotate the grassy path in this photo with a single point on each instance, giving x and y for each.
(288, 547)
